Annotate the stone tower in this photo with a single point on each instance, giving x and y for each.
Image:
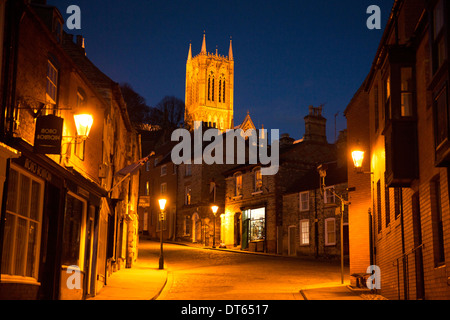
(210, 88)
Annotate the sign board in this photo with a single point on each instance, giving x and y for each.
(48, 135)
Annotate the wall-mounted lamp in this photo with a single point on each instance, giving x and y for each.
(83, 123)
(358, 159)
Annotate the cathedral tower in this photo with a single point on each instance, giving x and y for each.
(210, 88)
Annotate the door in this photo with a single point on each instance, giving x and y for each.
(237, 229)
(89, 249)
(291, 241)
(245, 227)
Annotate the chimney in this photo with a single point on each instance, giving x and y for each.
(80, 41)
(286, 140)
(315, 126)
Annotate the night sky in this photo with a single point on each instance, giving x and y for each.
(288, 54)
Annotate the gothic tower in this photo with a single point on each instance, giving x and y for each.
(210, 88)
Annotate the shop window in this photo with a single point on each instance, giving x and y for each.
(256, 223)
(330, 231)
(304, 201)
(304, 232)
(22, 229)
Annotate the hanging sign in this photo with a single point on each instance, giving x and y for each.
(48, 134)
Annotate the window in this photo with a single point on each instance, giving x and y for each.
(379, 205)
(256, 223)
(147, 166)
(212, 89)
(187, 195)
(387, 97)
(438, 40)
(188, 171)
(163, 189)
(258, 180)
(397, 202)
(147, 188)
(387, 206)
(238, 184)
(440, 115)
(220, 90)
(330, 231)
(304, 232)
(80, 146)
(223, 98)
(377, 109)
(329, 197)
(163, 170)
(406, 92)
(437, 224)
(74, 232)
(52, 82)
(187, 226)
(23, 220)
(156, 162)
(304, 201)
(209, 88)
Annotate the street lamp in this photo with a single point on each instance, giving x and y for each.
(83, 123)
(214, 209)
(358, 159)
(322, 169)
(162, 205)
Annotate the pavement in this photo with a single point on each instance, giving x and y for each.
(145, 281)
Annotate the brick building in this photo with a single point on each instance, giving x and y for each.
(399, 118)
(65, 205)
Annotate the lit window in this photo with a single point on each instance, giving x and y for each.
(330, 231)
(147, 188)
(223, 97)
(304, 201)
(304, 232)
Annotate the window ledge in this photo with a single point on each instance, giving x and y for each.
(237, 197)
(257, 192)
(5, 278)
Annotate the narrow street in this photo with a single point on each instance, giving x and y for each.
(208, 274)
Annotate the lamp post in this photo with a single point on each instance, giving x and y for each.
(214, 209)
(162, 205)
(322, 169)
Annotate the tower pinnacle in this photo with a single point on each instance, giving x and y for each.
(204, 43)
(230, 52)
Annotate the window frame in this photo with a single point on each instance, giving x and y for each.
(238, 190)
(301, 201)
(327, 232)
(325, 195)
(23, 277)
(302, 232)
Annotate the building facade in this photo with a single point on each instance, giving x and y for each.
(401, 111)
(66, 223)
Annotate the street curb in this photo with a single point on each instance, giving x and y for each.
(156, 296)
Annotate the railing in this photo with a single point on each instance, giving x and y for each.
(404, 257)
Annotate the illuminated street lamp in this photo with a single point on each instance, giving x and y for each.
(358, 159)
(162, 205)
(214, 209)
(83, 123)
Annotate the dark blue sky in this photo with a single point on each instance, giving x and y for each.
(288, 54)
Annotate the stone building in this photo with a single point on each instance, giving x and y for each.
(399, 118)
(67, 212)
(253, 217)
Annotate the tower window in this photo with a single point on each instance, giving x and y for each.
(212, 93)
(220, 90)
(209, 88)
(223, 91)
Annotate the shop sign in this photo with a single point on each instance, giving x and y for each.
(48, 134)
